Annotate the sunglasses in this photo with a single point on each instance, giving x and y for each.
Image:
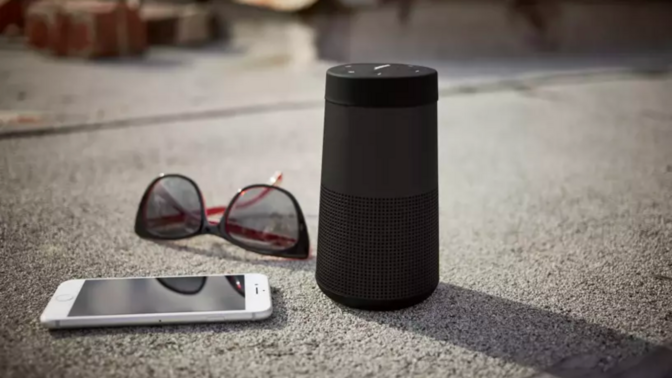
(261, 218)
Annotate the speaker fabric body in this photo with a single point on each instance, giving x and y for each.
(378, 237)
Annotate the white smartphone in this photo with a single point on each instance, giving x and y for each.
(158, 300)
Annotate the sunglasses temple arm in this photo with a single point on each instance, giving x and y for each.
(257, 235)
(276, 180)
(248, 232)
(254, 234)
(215, 210)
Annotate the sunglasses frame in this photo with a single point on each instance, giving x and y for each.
(300, 250)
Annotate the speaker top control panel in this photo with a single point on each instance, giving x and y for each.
(381, 85)
(379, 71)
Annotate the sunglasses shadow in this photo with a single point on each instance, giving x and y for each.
(218, 251)
(277, 321)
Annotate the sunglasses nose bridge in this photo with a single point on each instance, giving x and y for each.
(211, 229)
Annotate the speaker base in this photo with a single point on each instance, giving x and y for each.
(376, 305)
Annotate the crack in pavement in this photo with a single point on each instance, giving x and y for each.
(524, 84)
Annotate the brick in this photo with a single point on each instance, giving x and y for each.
(87, 29)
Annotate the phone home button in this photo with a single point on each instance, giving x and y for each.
(64, 297)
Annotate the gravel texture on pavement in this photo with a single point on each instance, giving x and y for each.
(556, 244)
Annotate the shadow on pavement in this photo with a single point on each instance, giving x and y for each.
(557, 344)
(218, 251)
(149, 120)
(277, 321)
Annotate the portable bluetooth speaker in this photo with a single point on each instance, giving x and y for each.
(378, 237)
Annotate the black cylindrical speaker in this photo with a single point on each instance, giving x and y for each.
(378, 236)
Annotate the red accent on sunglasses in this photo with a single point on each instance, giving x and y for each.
(276, 180)
(279, 240)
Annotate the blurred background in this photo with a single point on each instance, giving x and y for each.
(77, 62)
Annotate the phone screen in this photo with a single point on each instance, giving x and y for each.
(160, 295)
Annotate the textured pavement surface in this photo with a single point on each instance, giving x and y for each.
(556, 243)
(171, 85)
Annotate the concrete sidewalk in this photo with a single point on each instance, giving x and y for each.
(556, 231)
(177, 85)
(271, 63)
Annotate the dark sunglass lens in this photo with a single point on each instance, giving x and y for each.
(173, 208)
(265, 218)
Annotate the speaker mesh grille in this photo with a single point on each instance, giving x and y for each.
(378, 248)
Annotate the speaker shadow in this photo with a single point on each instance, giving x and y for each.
(555, 344)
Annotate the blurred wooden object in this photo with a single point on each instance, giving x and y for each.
(179, 24)
(87, 29)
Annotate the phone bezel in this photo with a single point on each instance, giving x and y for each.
(257, 306)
